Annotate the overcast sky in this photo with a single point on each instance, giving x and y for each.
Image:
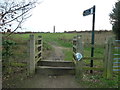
(68, 15)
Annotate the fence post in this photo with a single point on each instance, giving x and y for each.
(110, 59)
(79, 64)
(105, 60)
(31, 64)
(108, 67)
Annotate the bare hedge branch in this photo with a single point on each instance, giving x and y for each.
(14, 12)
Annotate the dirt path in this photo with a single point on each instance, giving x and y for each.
(49, 82)
(40, 81)
(57, 54)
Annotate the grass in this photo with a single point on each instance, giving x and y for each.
(97, 81)
(98, 53)
(18, 64)
(46, 46)
(68, 55)
(60, 39)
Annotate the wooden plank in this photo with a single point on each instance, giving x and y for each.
(75, 40)
(74, 53)
(37, 59)
(74, 61)
(74, 46)
(61, 61)
(39, 39)
(36, 54)
(92, 68)
(74, 50)
(93, 58)
(50, 67)
(95, 46)
(39, 45)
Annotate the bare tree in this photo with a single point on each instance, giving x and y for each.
(14, 12)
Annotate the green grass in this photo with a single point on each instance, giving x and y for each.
(68, 55)
(60, 39)
(98, 53)
(18, 64)
(46, 46)
(97, 81)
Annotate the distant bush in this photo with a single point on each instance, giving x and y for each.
(7, 53)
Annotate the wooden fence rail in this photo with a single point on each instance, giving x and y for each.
(35, 53)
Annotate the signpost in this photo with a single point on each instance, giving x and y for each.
(85, 13)
(88, 11)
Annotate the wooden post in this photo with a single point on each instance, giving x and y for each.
(105, 60)
(110, 59)
(108, 63)
(32, 55)
(79, 64)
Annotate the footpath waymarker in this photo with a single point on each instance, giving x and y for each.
(85, 13)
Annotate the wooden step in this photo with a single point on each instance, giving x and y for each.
(48, 70)
(49, 67)
(55, 63)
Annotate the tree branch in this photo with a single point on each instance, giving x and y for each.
(16, 28)
(15, 18)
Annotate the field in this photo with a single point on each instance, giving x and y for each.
(64, 40)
